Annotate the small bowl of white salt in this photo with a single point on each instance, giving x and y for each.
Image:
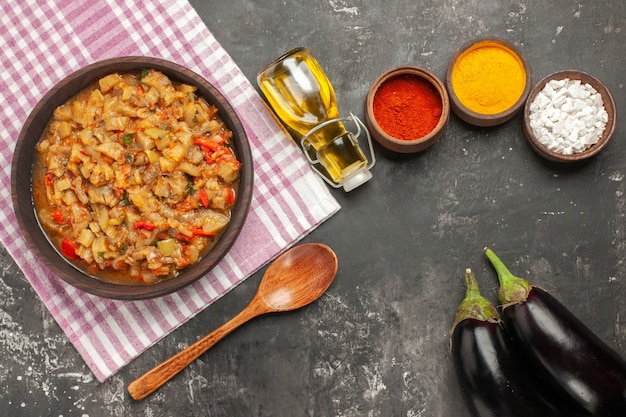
(569, 116)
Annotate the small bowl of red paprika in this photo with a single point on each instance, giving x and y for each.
(407, 109)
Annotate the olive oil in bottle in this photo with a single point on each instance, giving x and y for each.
(298, 90)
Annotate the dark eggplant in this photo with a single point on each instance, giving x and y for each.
(574, 362)
(491, 377)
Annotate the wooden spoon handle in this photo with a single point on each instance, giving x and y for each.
(160, 374)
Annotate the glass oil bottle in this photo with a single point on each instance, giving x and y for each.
(301, 95)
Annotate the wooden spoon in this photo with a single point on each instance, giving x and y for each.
(296, 278)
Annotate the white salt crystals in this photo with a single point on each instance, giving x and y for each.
(568, 116)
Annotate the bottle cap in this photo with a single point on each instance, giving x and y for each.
(357, 179)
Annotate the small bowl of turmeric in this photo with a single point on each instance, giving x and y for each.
(488, 80)
(407, 109)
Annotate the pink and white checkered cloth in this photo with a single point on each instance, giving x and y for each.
(41, 42)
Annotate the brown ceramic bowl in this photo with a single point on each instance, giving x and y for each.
(609, 106)
(486, 119)
(403, 145)
(24, 155)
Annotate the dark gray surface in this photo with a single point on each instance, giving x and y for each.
(377, 343)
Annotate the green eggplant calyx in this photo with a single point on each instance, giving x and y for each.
(513, 290)
(474, 305)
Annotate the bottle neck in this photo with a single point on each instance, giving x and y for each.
(322, 136)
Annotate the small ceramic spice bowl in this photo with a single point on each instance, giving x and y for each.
(407, 109)
(488, 80)
(569, 116)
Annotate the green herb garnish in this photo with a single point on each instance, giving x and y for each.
(143, 74)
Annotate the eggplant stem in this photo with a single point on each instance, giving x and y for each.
(474, 305)
(513, 290)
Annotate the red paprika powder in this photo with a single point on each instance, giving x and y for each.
(407, 107)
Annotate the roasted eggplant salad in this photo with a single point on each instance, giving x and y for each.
(135, 178)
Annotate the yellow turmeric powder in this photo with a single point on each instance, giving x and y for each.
(488, 78)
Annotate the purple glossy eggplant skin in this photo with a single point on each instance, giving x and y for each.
(490, 374)
(570, 358)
